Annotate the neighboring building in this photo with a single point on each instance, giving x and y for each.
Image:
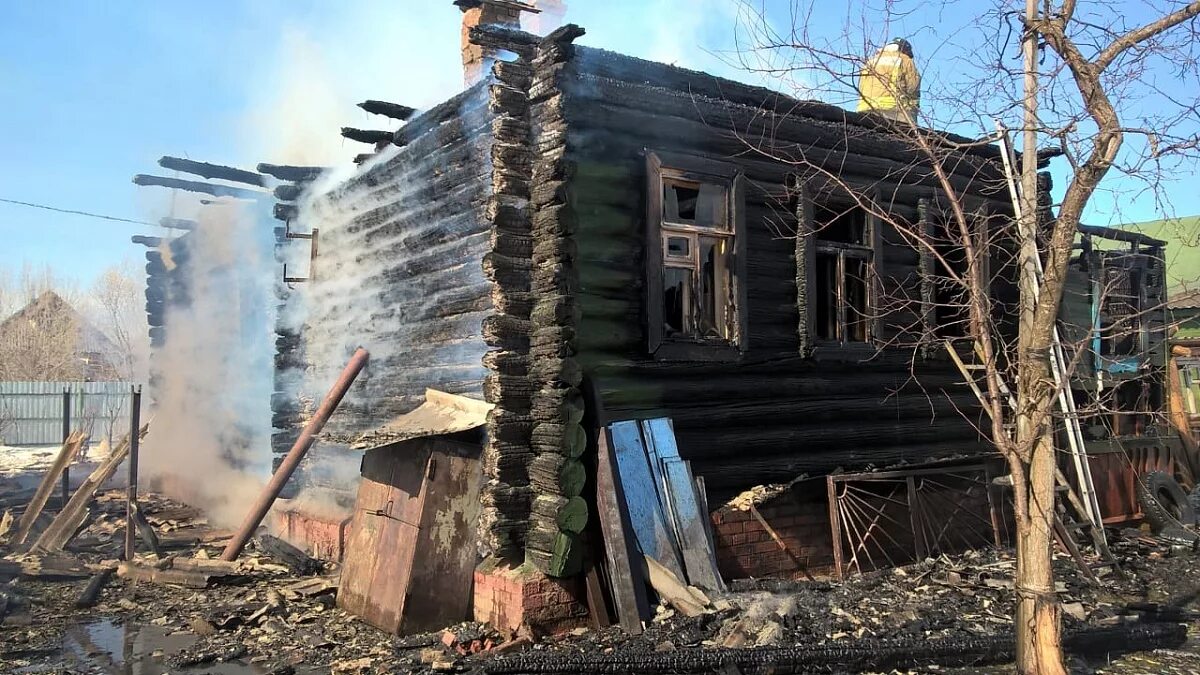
(49, 340)
(1182, 239)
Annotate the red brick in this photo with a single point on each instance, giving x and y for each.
(732, 528)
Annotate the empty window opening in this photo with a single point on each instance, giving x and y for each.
(844, 259)
(950, 310)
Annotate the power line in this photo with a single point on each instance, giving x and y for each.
(77, 213)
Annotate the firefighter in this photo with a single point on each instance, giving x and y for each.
(890, 84)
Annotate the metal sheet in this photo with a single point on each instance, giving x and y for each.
(383, 532)
(411, 552)
(440, 414)
(440, 592)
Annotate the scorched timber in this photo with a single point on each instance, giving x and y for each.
(884, 655)
(373, 136)
(392, 110)
(217, 171)
(294, 174)
(197, 186)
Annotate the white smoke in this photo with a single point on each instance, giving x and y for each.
(211, 416)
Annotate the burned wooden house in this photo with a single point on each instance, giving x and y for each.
(582, 236)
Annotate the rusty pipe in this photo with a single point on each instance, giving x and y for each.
(292, 460)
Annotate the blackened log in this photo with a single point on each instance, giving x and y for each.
(295, 174)
(289, 192)
(564, 34)
(374, 136)
(197, 186)
(872, 654)
(455, 107)
(296, 560)
(145, 531)
(217, 171)
(502, 37)
(285, 211)
(569, 440)
(563, 560)
(550, 473)
(567, 514)
(91, 594)
(392, 110)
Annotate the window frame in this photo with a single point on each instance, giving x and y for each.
(669, 165)
(808, 247)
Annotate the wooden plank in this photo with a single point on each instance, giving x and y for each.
(645, 513)
(64, 527)
(656, 459)
(66, 455)
(698, 557)
(595, 598)
(702, 498)
(620, 547)
(684, 507)
(671, 589)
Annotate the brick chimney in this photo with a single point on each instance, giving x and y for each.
(476, 59)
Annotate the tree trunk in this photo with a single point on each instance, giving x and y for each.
(1039, 649)
(1038, 644)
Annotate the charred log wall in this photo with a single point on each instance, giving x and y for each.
(398, 269)
(773, 414)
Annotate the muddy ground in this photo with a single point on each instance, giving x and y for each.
(269, 620)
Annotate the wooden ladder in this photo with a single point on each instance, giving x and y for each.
(1066, 524)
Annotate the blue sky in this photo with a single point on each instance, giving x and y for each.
(92, 93)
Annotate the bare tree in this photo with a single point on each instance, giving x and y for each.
(1083, 85)
(120, 314)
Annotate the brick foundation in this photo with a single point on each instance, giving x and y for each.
(745, 549)
(324, 538)
(508, 597)
(800, 517)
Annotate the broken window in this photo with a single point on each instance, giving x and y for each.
(693, 291)
(843, 258)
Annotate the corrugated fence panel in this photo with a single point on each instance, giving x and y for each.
(31, 412)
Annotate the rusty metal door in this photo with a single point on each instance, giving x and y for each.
(380, 548)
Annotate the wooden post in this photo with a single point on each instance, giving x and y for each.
(135, 414)
(835, 526)
(66, 431)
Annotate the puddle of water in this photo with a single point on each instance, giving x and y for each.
(105, 646)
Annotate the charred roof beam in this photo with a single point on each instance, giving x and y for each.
(392, 110)
(218, 171)
(197, 186)
(373, 136)
(295, 174)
